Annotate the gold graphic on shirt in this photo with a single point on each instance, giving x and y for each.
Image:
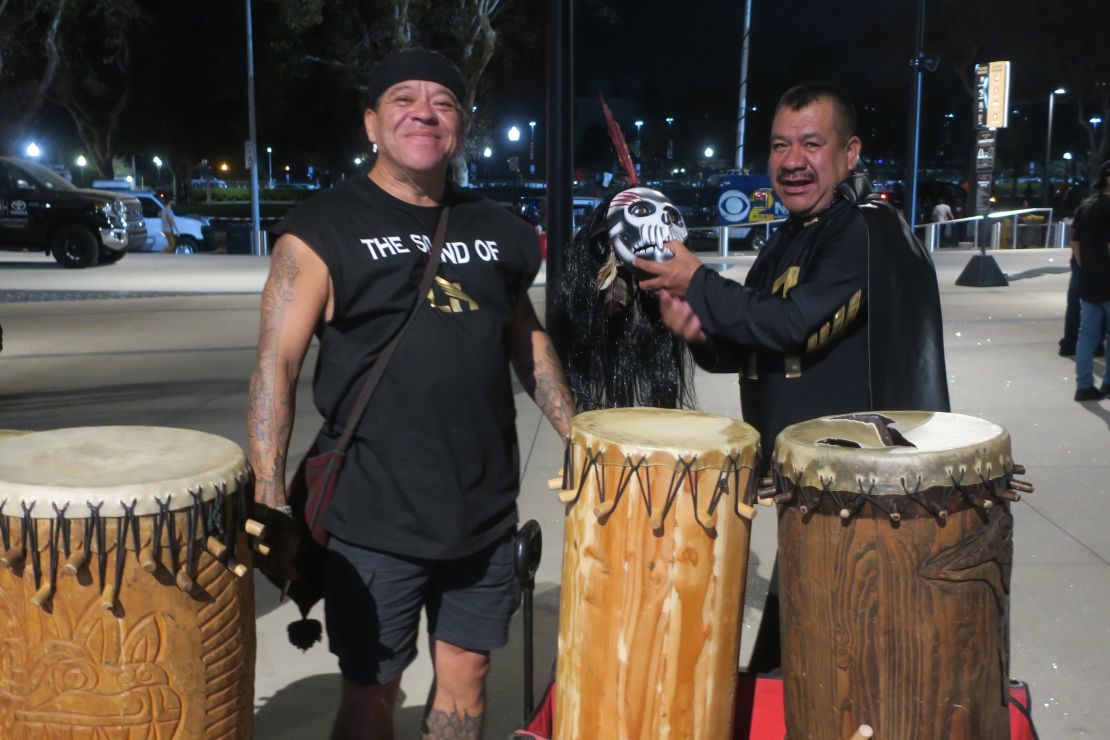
(793, 366)
(753, 365)
(786, 281)
(832, 329)
(452, 299)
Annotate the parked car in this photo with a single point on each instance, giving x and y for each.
(200, 183)
(194, 233)
(41, 210)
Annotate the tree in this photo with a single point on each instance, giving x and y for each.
(93, 83)
(354, 34)
(23, 28)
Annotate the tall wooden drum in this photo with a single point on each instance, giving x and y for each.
(123, 607)
(655, 557)
(895, 550)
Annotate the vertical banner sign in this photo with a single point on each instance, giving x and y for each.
(984, 169)
(998, 95)
(982, 80)
(248, 154)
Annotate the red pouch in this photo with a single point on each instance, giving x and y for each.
(321, 474)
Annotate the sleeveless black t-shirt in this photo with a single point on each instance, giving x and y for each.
(433, 469)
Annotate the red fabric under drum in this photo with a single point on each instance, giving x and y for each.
(759, 713)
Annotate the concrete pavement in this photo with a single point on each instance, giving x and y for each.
(169, 340)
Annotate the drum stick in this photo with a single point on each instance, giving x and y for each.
(863, 733)
(255, 528)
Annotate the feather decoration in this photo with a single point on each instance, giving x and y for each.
(617, 137)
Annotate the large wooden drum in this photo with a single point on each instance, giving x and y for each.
(655, 558)
(123, 610)
(894, 561)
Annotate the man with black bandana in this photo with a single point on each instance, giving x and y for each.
(840, 311)
(424, 510)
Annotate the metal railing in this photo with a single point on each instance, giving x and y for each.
(722, 232)
(932, 231)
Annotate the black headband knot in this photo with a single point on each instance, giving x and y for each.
(414, 64)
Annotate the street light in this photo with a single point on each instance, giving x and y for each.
(270, 166)
(81, 161)
(639, 151)
(514, 134)
(532, 148)
(708, 152)
(487, 152)
(670, 140)
(1046, 179)
(33, 150)
(158, 163)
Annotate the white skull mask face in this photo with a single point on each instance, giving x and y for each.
(640, 221)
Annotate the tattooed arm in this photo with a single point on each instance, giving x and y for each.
(297, 295)
(537, 366)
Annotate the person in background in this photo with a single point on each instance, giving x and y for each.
(943, 212)
(169, 225)
(1091, 247)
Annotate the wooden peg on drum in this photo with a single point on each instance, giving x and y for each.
(13, 556)
(76, 561)
(212, 525)
(765, 492)
(863, 733)
(255, 528)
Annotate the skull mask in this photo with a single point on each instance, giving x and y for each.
(640, 221)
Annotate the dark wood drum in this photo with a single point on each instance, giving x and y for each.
(124, 610)
(895, 550)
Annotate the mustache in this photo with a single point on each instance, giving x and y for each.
(798, 175)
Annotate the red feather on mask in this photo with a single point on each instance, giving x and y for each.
(623, 155)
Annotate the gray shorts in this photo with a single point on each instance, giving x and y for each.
(372, 603)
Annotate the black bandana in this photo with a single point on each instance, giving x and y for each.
(414, 64)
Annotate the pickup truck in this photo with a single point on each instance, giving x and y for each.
(41, 210)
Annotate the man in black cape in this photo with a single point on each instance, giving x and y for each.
(839, 313)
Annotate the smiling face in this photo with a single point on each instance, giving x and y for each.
(417, 127)
(808, 159)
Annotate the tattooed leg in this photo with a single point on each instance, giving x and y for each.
(458, 702)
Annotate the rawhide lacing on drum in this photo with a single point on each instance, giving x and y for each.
(31, 536)
(682, 471)
(984, 494)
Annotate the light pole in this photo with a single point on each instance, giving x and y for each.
(1046, 178)
(158, 163)
(532, 148)
(670, 139)
(639, 150)
(270, 166)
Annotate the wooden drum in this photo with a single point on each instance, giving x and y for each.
(123, 612)
(895, 547)
(655, 557)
